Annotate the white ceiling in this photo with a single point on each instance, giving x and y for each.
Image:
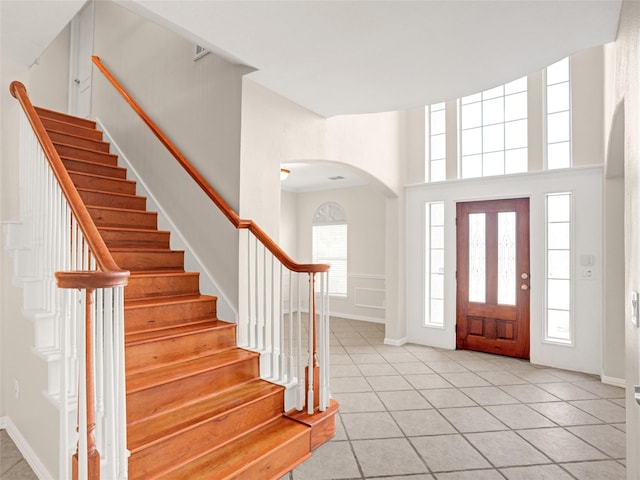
(348, 57)
(321, 175)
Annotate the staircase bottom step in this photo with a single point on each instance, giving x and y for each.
(266, 454)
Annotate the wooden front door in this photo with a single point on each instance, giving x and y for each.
(493, 277)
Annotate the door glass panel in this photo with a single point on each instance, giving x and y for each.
(507, 258)
(477, 257)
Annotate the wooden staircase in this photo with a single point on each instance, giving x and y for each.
(196, 406)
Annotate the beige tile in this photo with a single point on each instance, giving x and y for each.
(331, 461)
(349, 385)
(567, 391)
(601, 389)
(471, 475)
(472, 419)
(488, 396)
(519, 416)
(430, 356)
(427, 380)
(537, 472)
(359, 402)
(603, 409)
(422, 476)
(412, 367)
(20, 471)
(416, 423)
(506, 449)
(465, 379)
(480, 365)
(398, 357)
(446, 367)
(446, 453)
(529, 393)
(364, 358)
(389, 383)
(608, 470)
(341, 434)
(404, 400)
(604, 437)
(360, 426)
(564, 414)
(447, 397)
(501, 377)
(376, 369)
(560, 445)
(387, 457)
(344, 371)
(358, 349)
(569, 376)
(538, 376)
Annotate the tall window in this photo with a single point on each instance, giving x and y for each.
(434, 264)
(330, 245)
(558, 115)
(493, 131)
(558, 284)
(436, 144)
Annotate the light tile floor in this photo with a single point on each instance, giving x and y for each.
(418, 413)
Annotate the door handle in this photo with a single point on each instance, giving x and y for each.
(76, 81)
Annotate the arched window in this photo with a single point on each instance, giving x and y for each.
(330, 244)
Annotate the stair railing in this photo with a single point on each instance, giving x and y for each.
(88, 335)
(287, 302)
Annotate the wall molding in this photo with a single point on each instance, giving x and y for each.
(616, 382)
(25, 449)
(368, 276)
(370, 305)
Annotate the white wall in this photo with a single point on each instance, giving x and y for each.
(197, 104)
(365, 210)
(34, 417)
(585, 185)
(276, 130)
(623, 65)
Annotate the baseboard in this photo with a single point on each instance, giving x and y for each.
(616, 382)
(396, 342)
(362, 318)
(25, 449)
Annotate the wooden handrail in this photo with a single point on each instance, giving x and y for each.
(92, 236)
(224, 207)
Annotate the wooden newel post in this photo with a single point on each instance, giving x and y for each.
(89, 281)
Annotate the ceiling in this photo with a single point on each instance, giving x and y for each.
(350, 57)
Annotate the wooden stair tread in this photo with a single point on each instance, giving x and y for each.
(80, 130)
(101, 177)
(92, 164)
(165, 374)
(166, 300)
(160, 273)
(234, 458)
(145, 432)
(120, 209)
(117, 194)
(74, 120)
(129, 229)
(79, 147)
(135, 338)
(78, 140)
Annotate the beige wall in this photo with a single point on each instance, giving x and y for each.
(623, 65)
(197, 104)
(365, 209)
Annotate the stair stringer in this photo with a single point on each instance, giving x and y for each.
(192, 261)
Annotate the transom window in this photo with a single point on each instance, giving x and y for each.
(330, 245)
(558, 105)
(493, 131)
(435, 170)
